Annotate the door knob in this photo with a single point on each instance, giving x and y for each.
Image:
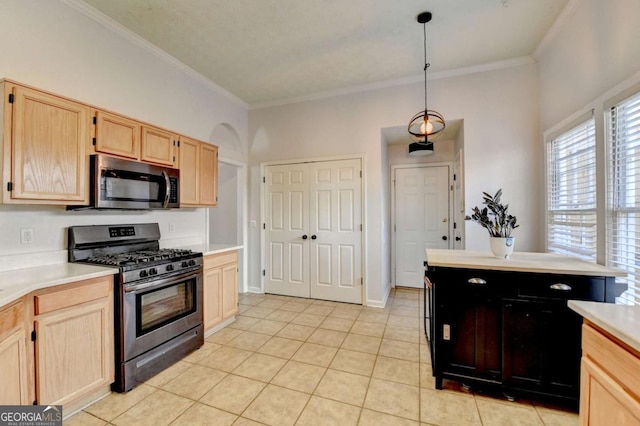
(458, 238)
(304, 237)
(313, 237)
(444, 238)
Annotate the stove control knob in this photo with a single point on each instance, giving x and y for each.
(184, 264)
(169, 268)
(153, 271)
(192, 262)
(143, 273)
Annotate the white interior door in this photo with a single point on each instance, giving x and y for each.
(286, 222)
(421, 219)
(335, 248)
(313, 236)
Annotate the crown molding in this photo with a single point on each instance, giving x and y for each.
(492, 66)
(135, 39)
(557, 26)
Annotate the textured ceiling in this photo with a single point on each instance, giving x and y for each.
(270, 50)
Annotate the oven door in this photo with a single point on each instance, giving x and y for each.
(155, 312)
(123, 184)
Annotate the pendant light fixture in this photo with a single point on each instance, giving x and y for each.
(427, 125)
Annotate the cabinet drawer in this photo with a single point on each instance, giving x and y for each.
(86, 291)
(562, 287)
(474, 282)
(618, 362)
(11, 317)
(216, 260)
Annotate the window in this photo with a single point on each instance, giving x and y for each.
(571, 192)
(623, 200)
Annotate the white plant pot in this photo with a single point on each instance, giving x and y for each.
(502, 247)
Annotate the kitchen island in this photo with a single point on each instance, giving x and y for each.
(505, 323)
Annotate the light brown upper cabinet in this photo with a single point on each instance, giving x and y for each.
(44, 150)
(198, 173)
(158, 146)
(117, 135)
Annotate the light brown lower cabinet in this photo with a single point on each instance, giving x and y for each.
(74, 340)
(610, 380)
(220, 288)
(14, 356)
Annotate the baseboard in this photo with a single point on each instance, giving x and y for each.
(255, 290)
(218, 327)
(70, 409)
(380, 303)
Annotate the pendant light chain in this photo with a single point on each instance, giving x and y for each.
(426, 65)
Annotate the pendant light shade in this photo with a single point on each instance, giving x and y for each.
(427, 125)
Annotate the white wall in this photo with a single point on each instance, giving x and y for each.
(223, 220)
(596, 49)
(51, 45)
(500, 113)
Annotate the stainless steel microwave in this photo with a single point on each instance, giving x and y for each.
(125, 184)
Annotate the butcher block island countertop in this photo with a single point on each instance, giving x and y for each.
(519, 261)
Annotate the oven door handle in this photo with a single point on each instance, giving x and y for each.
(161, 283)
(167, 189)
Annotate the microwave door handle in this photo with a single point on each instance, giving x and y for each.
(167, 190)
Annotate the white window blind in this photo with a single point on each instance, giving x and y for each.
(571, 192)
(623, 212)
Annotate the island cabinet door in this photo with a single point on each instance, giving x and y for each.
(468, 328)
(541, 347)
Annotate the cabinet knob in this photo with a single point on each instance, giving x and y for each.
(560, 287)
(477, 281)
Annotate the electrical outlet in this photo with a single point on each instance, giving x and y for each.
(26, 236)
(171, 227)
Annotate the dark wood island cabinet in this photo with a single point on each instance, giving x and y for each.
(506, 324)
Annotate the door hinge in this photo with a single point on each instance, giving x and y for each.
(361, 280)
(95, 120)
(174, 143)
(178, 144)
(454, 176)
(35, 402)
(360, 173)
(394, 228)
(9, 186)
(216, 198)
(264, 179)
(10, 98)
(264, 272)
(360, 227)
(33, 336)
(452, 187)
(217, 154)
(264, 226)
(455, 225)
(94, 141)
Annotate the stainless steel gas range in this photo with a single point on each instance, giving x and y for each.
(158, 296)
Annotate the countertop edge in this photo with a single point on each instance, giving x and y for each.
(584, 308)
(10, 294)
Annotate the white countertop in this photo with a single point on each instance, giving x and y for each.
(208, 249)
(18, 282)
(549, 263)
(621, 321)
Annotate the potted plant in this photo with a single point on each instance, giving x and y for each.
(495, 219)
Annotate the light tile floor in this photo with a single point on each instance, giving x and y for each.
(288, 361)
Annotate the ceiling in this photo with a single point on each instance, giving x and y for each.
(266, 51)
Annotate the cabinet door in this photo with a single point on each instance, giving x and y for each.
(13, 369)
(542, 346)
(208, 175)
(158, 146)
(74, 351)
(49, 140)
(229, 290)
(212, 297)
(189, 172)
(117, 135)
(603, 401)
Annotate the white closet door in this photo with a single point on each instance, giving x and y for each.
(422, 219)
(287, 217)
(335, 250)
